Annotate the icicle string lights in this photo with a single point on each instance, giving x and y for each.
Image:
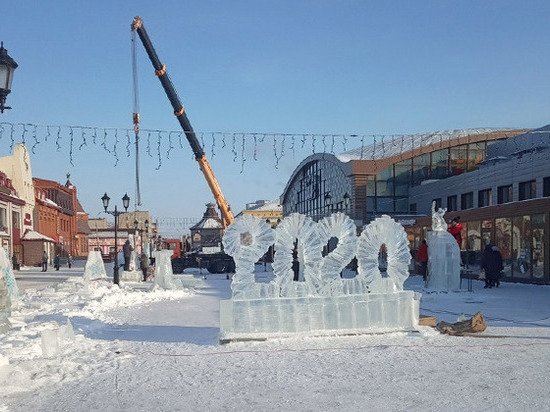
(363, 146)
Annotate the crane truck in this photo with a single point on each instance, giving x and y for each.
(215, 262)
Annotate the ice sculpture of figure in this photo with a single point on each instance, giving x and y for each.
(438, 220)
(8, 290)
(164, 276)
(307, 294)
(94, 269)
(443, 256)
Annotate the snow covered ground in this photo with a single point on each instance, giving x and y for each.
(137, 349)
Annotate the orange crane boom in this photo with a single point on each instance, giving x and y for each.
(179, 111)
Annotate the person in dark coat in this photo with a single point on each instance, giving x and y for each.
(56, 261)
(127, 250)
(491, 263)
(144, 265)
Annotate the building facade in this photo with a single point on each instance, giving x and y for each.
(506, 202)
(11, 225)
(17, 167)
(264, 209)
(376, 179)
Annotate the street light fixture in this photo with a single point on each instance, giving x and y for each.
(346, 201)
(125, 202)
(7, 67)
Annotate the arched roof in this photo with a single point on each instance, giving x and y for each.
(385, 146)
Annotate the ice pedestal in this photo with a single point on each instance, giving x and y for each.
(349, 314)
(53, 339)
(443, 262)
(164, 276)
(322, 303)
(94, 269)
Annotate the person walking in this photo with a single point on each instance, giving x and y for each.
(491, 263)
(69, 260)
(422, 260)
(44, 262)
(56, 261)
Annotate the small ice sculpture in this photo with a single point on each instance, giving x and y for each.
(438, 219)
(8, 276)
(164, 276)
(94, 269)
(307, 294)
(5, 307)
(443, 256)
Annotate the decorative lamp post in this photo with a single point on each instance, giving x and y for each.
(125, 202)
(136, 231)
(346, 201)
(7, 67)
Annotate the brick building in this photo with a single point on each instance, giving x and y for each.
(59, 215)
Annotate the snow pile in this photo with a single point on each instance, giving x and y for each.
(54, 334)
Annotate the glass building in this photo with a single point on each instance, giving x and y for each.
(373, 180)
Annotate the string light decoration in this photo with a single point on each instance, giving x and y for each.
(242, 145)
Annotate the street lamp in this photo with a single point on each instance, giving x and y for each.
(125, 202)
(346, 201)
(7, 67)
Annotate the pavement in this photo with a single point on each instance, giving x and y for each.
(34, 278)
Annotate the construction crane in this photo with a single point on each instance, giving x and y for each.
(179, 111)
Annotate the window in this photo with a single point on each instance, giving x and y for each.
(451, 203)
(3, 220)
(504, 194)
(467, 200)
(546, 187)
(412, 208)
(484, 198)
(15, 220)
(437, 203)
(527, 190)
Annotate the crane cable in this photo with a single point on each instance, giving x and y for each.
(135, 116)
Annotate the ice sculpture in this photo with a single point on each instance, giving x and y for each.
(7, 275)
(94, 269)
(133, 274)
(443, 256)
(164, 277)
(307, 294)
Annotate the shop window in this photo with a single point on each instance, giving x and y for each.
(546, 187)
(438, 203)
(504, 194)
(15, 219)
(452, 203)
(484, 198)
(527, 190)
(521, 247)
(538, 229)
(503, 240)
(467, 200)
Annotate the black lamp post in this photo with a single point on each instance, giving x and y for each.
(125, 202)
(346, 201)
(7, 67)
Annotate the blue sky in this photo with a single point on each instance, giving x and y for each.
(267, 66)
